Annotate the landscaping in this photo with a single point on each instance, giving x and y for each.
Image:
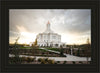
(30, 60)
(54, 49)
(46, 55)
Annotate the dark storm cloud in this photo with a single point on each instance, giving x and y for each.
(78, 21)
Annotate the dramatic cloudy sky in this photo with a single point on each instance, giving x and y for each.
(74, 25)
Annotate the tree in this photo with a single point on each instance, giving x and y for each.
(16, 52)
(78, 52)
(16, 47)
(34, 47)
(35, 43)
(61, 51)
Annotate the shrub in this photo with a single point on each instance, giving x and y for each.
(23, 58)
(29, 59)
(15, 60)
(64, 62)
(46, 59)
(90, 62)
(73, 62)
(80, 62)
(58, 61)
(63, 55)
(51, 61)
(11, 60)
(43, 61)
(40, 59)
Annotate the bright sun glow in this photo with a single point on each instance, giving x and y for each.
(27, 38)
(73, 39)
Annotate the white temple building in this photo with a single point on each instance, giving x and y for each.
(49, 38)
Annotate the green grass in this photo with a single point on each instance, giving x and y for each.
(54, 49)
(43, 50)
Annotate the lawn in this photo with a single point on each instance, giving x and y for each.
(54, 49)
(43, 50)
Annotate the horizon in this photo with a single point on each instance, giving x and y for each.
(29, 44)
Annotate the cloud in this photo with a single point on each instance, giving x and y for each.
(63, 21)
(75, 21)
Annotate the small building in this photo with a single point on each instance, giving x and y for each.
(49, 38)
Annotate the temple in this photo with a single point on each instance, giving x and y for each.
(49, 39)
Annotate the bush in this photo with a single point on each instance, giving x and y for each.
(63, 56)
(64, 62)
(80, 62)
(58, 61)
(73, 62)
(11, 60)
(15, 60)
(40, 59)
(51, 61)
(43, 61)
(23, 58)
(29, 59)
(46, 59)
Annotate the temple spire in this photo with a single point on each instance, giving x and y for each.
(48, 26)
(48, 30)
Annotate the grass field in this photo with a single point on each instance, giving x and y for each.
(42, 50)
(54, 49)
(28, 47)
